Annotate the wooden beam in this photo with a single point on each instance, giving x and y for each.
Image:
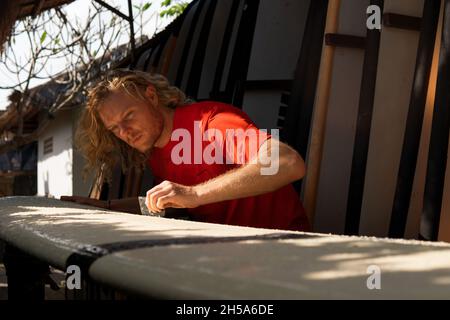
(187, 46)
(216, 94)
(411, 142)
(437, 157)
(241, 53)
(400, 21)
(363, 127)
(345, 41)
(194, 78)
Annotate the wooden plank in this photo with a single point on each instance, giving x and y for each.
(416, 204)
(314, 154)
(401, 21)
(444, 221)
(363, 125)
(413, 131)
(221, 29)
(340, 123)
(241, 53)
(156, 60)
(227, 36)
(151, 57)
(167, 57)
(437, 158)
(181, 33)
(396, 67)
(194, 76)
(142, 59)
(305, 81)
(345, 41)
(186, 65)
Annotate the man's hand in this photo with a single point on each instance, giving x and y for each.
(171, 195)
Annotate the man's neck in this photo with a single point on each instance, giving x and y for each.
(168, 115)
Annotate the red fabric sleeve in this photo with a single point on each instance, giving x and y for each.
(240, 137)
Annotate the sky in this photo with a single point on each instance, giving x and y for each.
(78, 10)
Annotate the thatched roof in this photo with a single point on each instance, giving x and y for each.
(16, 10)
(34, 7)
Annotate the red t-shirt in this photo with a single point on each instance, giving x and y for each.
(280, 209)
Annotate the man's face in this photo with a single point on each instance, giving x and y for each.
(138, 123)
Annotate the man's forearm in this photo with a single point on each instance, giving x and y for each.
(246, 181)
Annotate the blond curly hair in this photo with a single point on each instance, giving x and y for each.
(99, 146)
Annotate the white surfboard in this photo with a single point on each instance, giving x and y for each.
(396, 66)
(274, 57)
(167, 258)
(341, 117)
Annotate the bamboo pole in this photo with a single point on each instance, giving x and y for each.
(314, 156)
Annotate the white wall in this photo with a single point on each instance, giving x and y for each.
(54, 170)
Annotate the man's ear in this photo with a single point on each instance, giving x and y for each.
(150, 93)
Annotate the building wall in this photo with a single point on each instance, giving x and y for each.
(54, 171)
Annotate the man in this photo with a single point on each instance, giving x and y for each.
(198, 164)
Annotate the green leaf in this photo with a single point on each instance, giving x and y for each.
(146, 6)
(175, 10)
(57, 41)
(43, 36)
(166, 3)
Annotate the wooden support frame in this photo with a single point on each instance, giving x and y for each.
(187, 48)
(400, 21)
(345, 41)
(362, 136)
(241, 54)
(215, 92)
(199, 56)
(414, 123)
(437, 157)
